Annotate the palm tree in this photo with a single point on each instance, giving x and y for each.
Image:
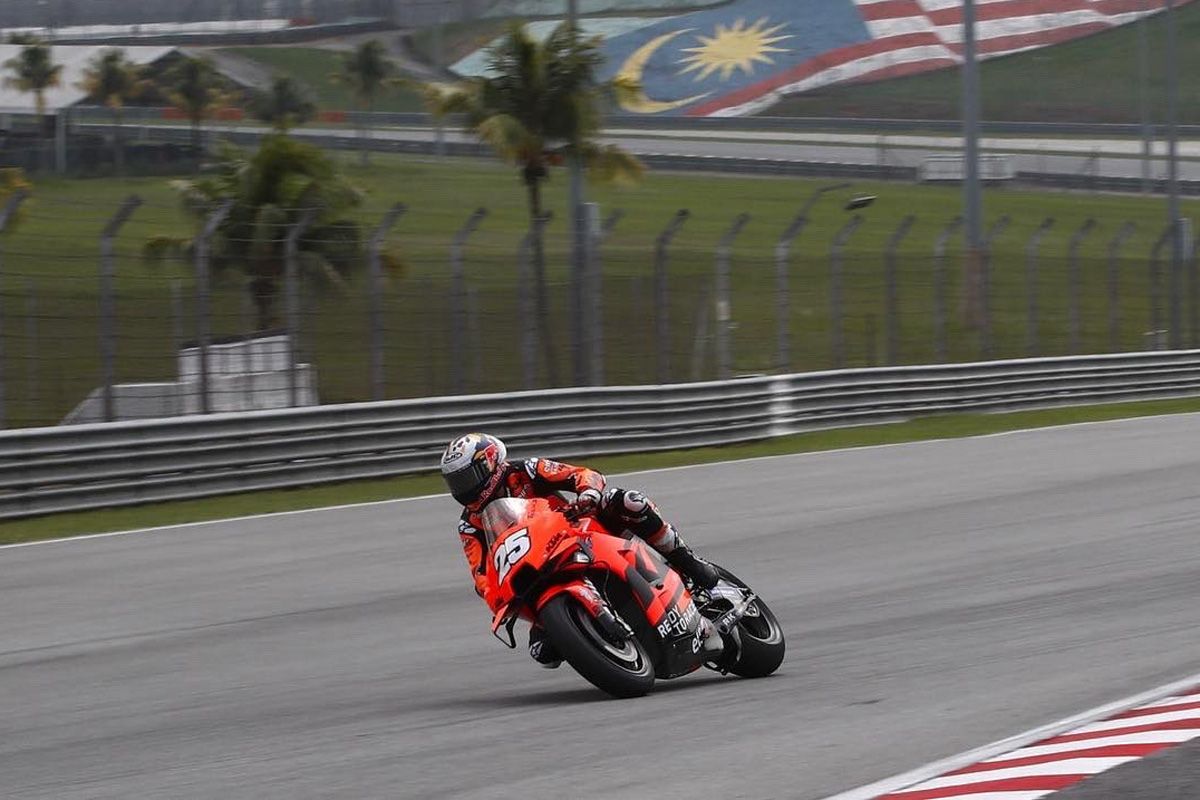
(194, 87)
(539, 102)
(112, 79)
(367, 72)
(285, 105)
(34, 71)
(270, 191)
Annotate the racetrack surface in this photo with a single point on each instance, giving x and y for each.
(937, 596)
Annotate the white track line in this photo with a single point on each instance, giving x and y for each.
(904, 780)
(702, 465)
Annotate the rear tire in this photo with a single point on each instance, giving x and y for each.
(761, 635)
(621, 671)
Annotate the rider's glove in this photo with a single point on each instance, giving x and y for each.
(585, 504)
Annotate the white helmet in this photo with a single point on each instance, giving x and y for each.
(472, 466)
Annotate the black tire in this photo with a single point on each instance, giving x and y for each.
(763, 645)
(625, 672)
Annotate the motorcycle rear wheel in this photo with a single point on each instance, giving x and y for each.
(761, 636)
(624, 671)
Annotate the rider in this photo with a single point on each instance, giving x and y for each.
(477, 471)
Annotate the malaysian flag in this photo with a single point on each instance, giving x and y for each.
(741, 58)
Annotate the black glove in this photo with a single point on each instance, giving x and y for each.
(585, 504)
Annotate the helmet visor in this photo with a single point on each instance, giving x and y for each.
(466, 483)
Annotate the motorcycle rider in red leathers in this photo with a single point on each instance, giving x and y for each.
(477, 470)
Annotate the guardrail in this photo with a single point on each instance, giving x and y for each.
(350, 140)
(45, 470)
(419, 119)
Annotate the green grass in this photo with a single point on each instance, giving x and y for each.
(51, 359)
(934, 427)
(313, 66)
(1093, 79)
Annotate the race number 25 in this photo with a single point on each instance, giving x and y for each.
(510, 551)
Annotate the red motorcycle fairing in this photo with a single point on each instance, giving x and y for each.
(545, 552)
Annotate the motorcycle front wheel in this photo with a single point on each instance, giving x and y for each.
(621, 670)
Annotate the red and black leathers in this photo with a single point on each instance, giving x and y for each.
(619, 510)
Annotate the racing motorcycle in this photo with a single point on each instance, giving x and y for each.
(613, 607)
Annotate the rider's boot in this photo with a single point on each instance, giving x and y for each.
(542, 650)
(699, 571)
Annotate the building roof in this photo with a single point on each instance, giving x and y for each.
(74, 59)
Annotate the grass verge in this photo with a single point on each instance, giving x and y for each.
(933, 427)
(50, 301)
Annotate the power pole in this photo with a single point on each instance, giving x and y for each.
(972, 196)
(1143, 95)
(1177, 228)
(579, 246)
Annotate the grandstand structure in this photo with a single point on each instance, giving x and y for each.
(58, 14)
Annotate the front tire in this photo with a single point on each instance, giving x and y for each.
(624, 671)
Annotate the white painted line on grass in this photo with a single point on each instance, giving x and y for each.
(904, 780)
(702, 465)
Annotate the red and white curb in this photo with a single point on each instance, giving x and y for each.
(1041, 762)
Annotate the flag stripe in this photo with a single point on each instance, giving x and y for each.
(913, 36)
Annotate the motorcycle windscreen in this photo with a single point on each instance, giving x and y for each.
(501, 514)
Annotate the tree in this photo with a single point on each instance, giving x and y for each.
(541, 101)
(111, 79)
(285, 105)
(34, 71)
(194, 87)
(271, 190)
(367, 72)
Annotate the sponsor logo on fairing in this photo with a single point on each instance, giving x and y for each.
(554, 542)
(677, 623)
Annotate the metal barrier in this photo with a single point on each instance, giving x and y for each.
(951, 167)
(45, 470)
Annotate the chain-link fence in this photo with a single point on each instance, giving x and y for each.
(134, 311)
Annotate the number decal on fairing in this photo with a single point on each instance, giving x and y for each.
(509, 552)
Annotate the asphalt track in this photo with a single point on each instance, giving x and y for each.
(937, 596)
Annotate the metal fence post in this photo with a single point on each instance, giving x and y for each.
(1032, 340)
(1193, 284)
(525, 303)
(1076, 280)
(1114, 294)
(783, 291)
(1156, 288)
(6, 216)
(985, 331)
(203, 266)
(939, 287)
(835, 290)
(891, 302)
(662, 314)
(32, 392)
(108, 267)
(594, 305)
(458, 302)
(723, 302)
(292, 288)
(375, 287)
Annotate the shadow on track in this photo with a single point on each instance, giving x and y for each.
(584, 694)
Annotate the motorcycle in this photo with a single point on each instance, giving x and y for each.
(613, 607)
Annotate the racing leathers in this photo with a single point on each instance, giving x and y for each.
(622, 511)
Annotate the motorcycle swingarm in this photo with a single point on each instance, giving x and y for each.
(729, 620)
